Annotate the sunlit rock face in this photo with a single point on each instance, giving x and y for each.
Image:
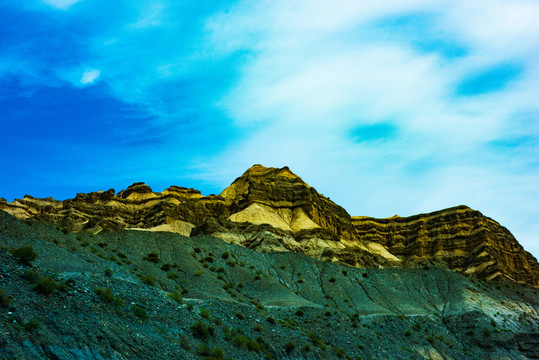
(274, 210)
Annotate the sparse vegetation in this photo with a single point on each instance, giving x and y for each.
(208, 353)
(176, 296)
(106, 295)
(5, 300)
(25, 254)
(148, 280)
(139, 311)
(289, 347)
(239, 339)
(201, 331)
(31, 325)
(45, 285)
(205, 313)
(152, 257)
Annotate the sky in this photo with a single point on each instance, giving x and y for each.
(393, 107)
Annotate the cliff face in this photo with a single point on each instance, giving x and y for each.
(460, 238)
(269, 209)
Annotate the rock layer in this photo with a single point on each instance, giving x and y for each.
(269, 209)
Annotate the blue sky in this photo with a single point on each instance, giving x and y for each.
(394, 107)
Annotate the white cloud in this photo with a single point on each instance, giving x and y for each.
(61, 4)
(90, 76)
(317, 69)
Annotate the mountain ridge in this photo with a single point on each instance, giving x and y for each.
(273, 209)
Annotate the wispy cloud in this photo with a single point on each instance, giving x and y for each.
(89, 76)
(61, 4)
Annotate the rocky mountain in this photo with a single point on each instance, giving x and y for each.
(269, 209)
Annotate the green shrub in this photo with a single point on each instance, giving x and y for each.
(139, 311)
(172, 275)
(32, 276)
(176, 296)
(106, 295)
(166, 267)
(332, 280)
(148, 280)
(184, 343)
(282, 266)
(340, 353)
(430, 339)
(257, 303)
(344, 272)
(5, 301)
(197, 250)
(205, 313)
(289, 347)
(45, 286)
(225, 255)
(228, 286)
(198, 273)
(487, 332)
(239, 339)
(25, 254)
(152, 257)
(271, 320)
(208, 353)
(108, 272)
(31, 325)
(299, 312)
(408, 333)
(201, 331)
(240, 316)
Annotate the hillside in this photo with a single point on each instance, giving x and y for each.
(194, 297)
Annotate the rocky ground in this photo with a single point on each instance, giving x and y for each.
(161, 295)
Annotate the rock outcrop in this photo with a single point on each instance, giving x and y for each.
(269, 209)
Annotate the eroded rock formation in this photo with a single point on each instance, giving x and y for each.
(269, 209)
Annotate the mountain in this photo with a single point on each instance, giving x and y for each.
(269, 209)
(154, 295)
(268, 269)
